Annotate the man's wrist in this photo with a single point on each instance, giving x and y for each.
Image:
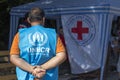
(32, 69)
(42, 67)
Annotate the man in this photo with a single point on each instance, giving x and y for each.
(37, 51)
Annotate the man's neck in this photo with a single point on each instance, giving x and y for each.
(36, 23)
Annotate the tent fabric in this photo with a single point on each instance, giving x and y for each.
(64, 6)
(55, 8)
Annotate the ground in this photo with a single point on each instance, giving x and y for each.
(65, 74)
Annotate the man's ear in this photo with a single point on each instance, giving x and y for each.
(28, 20)
(43, 20)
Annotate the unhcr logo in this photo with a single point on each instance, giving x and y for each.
(37, 38)
(38, 50)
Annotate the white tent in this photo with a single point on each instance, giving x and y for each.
(105, 9)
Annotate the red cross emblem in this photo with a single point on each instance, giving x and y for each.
(79, 30)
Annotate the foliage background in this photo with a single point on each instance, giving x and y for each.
(5, 7)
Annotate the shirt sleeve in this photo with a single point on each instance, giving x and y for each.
(14, 47)
(60, 47)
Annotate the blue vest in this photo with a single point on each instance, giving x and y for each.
(37, 45)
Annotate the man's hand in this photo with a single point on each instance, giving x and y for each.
(38, 72)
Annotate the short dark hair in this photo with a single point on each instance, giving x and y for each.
(36, 14)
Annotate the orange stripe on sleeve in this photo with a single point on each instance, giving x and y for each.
(15, 48)
(60, 47)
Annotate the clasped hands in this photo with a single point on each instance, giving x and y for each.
(38, 72)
